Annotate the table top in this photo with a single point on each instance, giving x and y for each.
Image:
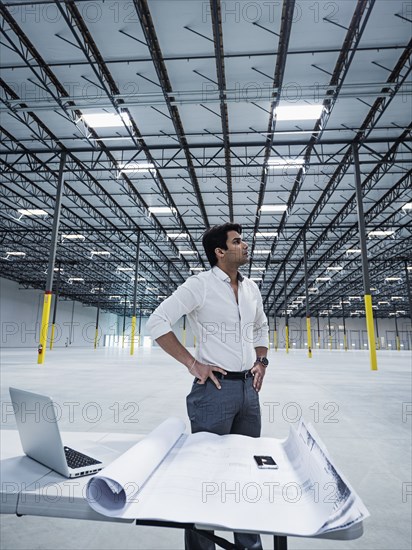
(29, 488)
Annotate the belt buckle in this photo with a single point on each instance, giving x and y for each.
(246, 375)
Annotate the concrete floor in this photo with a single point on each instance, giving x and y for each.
(360, 416)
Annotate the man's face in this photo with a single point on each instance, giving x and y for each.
(236, 253)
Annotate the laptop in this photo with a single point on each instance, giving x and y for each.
(40, 436)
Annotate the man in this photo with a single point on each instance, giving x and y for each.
(225, 312)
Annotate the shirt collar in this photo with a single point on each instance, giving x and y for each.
(224, 276)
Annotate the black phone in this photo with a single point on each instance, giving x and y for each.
(265, 462)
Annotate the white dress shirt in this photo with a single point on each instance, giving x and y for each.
(226, 331)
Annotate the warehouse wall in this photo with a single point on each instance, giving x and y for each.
(21, 310)
(20, 317)
(355, 331)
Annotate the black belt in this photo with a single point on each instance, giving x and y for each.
(234, 375)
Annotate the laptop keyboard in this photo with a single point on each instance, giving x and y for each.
(78, 460)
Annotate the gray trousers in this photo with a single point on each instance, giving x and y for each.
(234, 409)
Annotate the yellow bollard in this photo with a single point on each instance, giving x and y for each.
(287, 339)
(44, 327)
(96, 337)
(52, 336)
(345, 343)
(309, 335)
(398, 343)
(275, 339)
(133, 334)
(371, 331)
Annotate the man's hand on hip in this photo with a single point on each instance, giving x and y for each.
(258, 371)
(203, 372)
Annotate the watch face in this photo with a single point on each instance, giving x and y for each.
(264, 361)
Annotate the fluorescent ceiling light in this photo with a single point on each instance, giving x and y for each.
(323, 278)
(100, 253)
(407, 206)
(135, 167)
(267, 234)
(354, 251)
(298, 112)
(354, 298)
(280, 163)
(177, 236)
(261, 252)
(32, 212)
(106, 120)
(197, 269)
(397, 298)
(11, 253)
(139, 279)
(125, 269)
(273, 207)
(337, 268)
(161, 210)
(187, 252)
(258, 269)
(383, 303)
(96, 289)
(313, 290)
(380, 233)
(409, 268)
(114, 297)
(400, 312)
(162, 297)
(74, 237)
(75, 279)
(151, 288)
(389, 279)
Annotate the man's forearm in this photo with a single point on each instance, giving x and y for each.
(261, 351)
(171, 345)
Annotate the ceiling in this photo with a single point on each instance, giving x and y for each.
(197, 89)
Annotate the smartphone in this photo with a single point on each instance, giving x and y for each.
(265, 462)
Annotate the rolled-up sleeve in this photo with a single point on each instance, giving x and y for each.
(260, 325)
(188, 297)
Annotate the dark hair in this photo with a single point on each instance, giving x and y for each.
(216, 237)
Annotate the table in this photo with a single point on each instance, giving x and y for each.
(29, 488)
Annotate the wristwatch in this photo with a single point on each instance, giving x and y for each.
(263, 360)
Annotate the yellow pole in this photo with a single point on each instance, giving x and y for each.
(330, 342)
(52, 335)
(275, 339)
(371, 331)
(44, 327)
(287, 339)
(309, 335)
(96, 337)
(345, 342)
(398, 343)
(132, 334)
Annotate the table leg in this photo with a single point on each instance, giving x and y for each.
(280, 543)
